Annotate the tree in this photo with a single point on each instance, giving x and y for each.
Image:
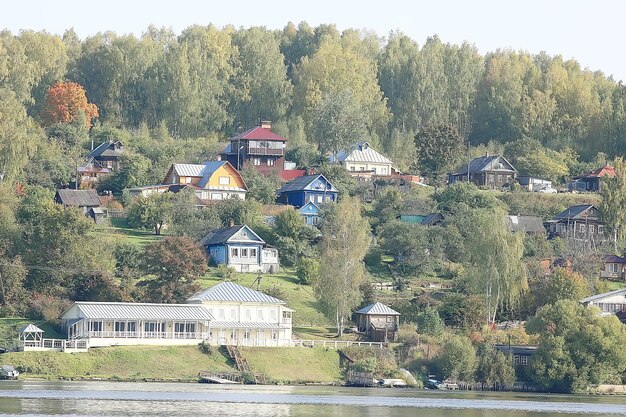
(613, 192)
(429, 322)
(261, 187)
(150, 212)
(67, 101)
(494, 368)
(338, 120)
(346, 238)
(562, 284)
(577, 347)
(439, 148)
(12, 278)
(294, 237)
(177, 262)
(408, 244)
(457, 359)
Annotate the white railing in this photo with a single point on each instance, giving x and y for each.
(224, 341)
(335, 344)
(55, 344)
(144, 335)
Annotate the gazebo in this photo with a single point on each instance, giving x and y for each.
(31, 336)
(379, 322)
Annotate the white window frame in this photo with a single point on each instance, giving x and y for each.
(224, 180)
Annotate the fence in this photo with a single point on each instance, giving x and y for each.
(336, 344)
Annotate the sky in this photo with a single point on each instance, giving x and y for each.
(592, 32)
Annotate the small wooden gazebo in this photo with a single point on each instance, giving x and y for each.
(31, 336)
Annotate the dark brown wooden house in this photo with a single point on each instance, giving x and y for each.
(487, 171)
(259, 148)
(379, 322)
(579, 223)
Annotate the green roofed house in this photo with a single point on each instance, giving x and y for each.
(379, 322)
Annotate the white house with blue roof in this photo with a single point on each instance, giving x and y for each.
(309, 188)
(240, 248)
(245, 317)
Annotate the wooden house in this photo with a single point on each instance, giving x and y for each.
(379, 322)
(245, 317)
(363, 162)
(84, 200)
(520, 354)
(582, 223)
(107, 154)
(211, 180)
(240, 248)
(259, 148)
(492, 172)
(311, 213)
(309, 188)
(614, 267)
(591, 181)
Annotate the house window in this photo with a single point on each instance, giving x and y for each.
(95, 326)
(248, 314)
(246, 334)
(233, 334)
(491, 178)
(273, 315)
(256, 161)
(581, 228)
(499, 178)
(270, 162)
(523, 360)
(217, 196)
(319, 198)
(244, 252)
(234, 252)
(259, 314)
(274, 335)
(253, 252)
(516, 360)
(612, 267)
(184, 327)
(352, 168)
(153, 327)
(286, 314)
(591, 228)
(224, 180)
(601, 229)
(233, 314)
(109, 164)
(187, 180)
(120, 326)
(222, 314)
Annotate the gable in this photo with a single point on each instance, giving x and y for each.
(309, 208)
(320, 184)
(498, 164)
(245, 235)
(226, 171)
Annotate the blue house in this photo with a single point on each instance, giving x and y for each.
(240, 248)
(311, 213)
(309, 188)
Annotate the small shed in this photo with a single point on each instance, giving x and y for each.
(379, 322)
(98, 214)
(83, 199)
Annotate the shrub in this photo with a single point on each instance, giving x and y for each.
(308, 270)
(374, 257)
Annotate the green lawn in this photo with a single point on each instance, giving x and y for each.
(120, 228)
(298, 297)
(319, 333)
(121, 362)
(295, 365)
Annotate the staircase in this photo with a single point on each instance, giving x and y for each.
(240, 361)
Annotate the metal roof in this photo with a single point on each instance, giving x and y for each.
(106, 148)
(188, 170)
(574, 212)
(246, 325)
(487, 163)
(30, 328)
(528, 224)
(301, 183)
(378, 308)
(78, 198)
(141, 311)
(229, 291)
(362, 152)
(603, 295)
(258, 133)
(220, 236)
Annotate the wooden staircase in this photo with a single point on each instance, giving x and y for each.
(242, 364)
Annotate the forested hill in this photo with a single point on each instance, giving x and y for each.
(212, 82)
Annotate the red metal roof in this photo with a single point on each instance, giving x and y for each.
(258, 133)
(605, 171)
(290, 174)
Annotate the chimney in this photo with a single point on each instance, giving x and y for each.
(266, 124)
(231, 223)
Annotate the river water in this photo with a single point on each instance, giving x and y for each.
(64, 398)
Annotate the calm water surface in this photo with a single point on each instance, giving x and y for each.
(58, 398)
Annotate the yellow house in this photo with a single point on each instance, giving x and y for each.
(211, 180)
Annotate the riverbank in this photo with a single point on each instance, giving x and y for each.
(177, 363)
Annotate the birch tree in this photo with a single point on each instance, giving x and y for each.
(346, 238)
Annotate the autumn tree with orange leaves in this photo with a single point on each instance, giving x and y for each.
(65, 101)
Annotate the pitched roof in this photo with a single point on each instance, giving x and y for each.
(488, 163)
(29, 328)
(78, 198)
(528, 224)
(106, 148)
(362, 152)
(432, 218)
(223, 235)
(378, 308)
(301, 183)
(605, 171)
(258, 133)
(614, 259)
(603, 295)
(309, 208)
(146, 311)
(574, 212)
(229, 291)
(204, 170)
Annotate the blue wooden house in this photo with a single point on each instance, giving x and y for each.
(309, 188)
(311, 213)
(240, 248)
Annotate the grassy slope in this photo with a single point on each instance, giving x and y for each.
(120, 229)
(122, 362)
(298, 297)
(295, 365)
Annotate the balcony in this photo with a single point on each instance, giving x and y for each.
(266, 151)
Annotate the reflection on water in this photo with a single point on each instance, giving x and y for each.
(56, 398)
